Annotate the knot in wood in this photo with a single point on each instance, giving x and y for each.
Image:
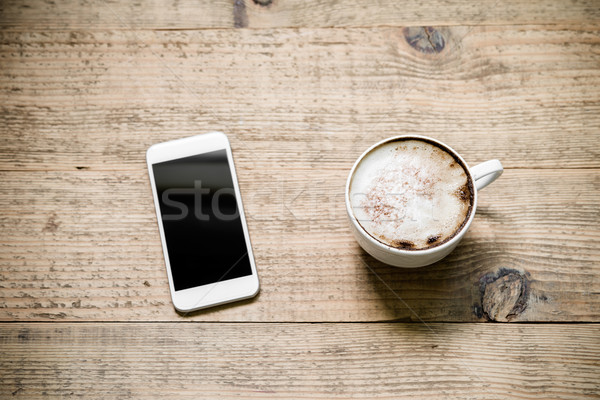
(504, 295)
(425, 39)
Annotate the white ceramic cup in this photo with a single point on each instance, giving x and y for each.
(481, 175)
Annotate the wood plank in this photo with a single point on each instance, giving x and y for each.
(527, 95)
(187, 14)
(317, 361)
(84, 245)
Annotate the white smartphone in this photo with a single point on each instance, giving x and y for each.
(201, 220)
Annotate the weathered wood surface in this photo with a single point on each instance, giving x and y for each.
(319, 361)
(79, 238)
(191, 14)
(527, 95)
(87, 86)
(83, 245)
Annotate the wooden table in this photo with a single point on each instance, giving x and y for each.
(87, 86)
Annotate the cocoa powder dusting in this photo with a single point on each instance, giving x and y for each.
(402, 244)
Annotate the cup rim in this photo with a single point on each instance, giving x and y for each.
(394, 250)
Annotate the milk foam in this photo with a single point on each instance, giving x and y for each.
(410, 194)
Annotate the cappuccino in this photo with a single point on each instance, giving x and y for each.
(411, 194)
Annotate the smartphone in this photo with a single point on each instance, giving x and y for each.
(201, 221)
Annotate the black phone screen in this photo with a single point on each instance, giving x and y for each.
(201, 221)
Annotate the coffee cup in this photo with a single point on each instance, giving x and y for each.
(411, 199)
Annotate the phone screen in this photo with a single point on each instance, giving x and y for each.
(201, 221)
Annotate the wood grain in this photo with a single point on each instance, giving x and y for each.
(87, 85)
(317, 361)
(188, 14)
(526, 95)
(84, 245)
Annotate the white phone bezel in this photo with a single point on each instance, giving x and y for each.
(214, 293)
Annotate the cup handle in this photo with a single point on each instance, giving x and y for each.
(486, 173)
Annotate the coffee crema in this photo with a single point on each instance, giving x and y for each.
(411, 194)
